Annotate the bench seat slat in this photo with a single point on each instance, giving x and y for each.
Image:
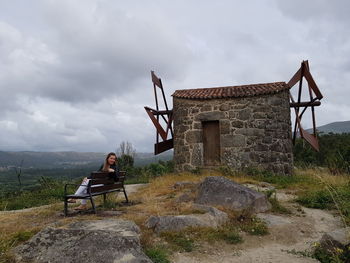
(93, 194)
(102, 181)
(106, 187)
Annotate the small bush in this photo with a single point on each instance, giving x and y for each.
(157, 254)
(335, 255)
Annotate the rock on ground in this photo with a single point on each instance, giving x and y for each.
(211, 218)
(339, 238)
(218, 190)
(101, 241)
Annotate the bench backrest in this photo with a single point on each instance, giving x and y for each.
(105, 182)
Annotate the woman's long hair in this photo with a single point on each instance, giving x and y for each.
(105, 164)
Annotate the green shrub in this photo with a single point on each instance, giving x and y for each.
(335, 255)
(157, 254)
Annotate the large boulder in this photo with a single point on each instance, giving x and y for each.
(100, 241)
(210, 217)
(218, 190)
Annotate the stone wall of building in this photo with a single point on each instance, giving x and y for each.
(254, 132)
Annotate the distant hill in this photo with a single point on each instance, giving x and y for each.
(334, 127)
(69, 159)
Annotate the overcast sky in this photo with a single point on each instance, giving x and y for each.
(75, 74)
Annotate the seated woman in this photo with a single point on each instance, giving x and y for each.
(109, 165)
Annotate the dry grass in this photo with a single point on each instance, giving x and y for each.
(322, 175)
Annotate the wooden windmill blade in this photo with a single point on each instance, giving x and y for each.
(166, 115)
(315, 96)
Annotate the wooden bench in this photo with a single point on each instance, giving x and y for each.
(100, 183)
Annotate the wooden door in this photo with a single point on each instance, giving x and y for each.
(211, 143)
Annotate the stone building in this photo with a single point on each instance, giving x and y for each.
(237, 126)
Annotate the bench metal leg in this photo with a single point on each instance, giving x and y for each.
(93, 205)
(126, 197)
(65, 207)
(104, 198)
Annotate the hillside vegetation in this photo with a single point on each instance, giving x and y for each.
(334, 153)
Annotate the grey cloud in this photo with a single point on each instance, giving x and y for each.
(332, 11)
(92, 60)
(77, 75)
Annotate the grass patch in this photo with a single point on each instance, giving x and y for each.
(330, 197)
(8, 242)
(230, 237)
(49, 191)
(188, 239)
(137, 180)
(277, 207)
(27, 199)
(157, 254)
(283, 182)
(254, 226)
(228, 233)
(179, 240)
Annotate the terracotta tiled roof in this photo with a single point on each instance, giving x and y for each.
(231, 91)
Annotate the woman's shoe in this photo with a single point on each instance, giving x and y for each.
(71, 201)
(81, 208)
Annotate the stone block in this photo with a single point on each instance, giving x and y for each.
(224, 127)
(240, 106)
(197, 155)
(267, 139)
(275, 101)
(244, 114)
(210, 116)
(261, 148)
(194, 110)
(224, 107)
(182, 128)
(232, 114)
(237, 124)
(250, 132)
(259, 115)
(235, 140)
(197, 125)
(207, 107)
(193, 136)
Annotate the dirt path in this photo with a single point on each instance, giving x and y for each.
(289, 234)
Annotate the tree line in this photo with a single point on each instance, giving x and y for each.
(334, 153)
